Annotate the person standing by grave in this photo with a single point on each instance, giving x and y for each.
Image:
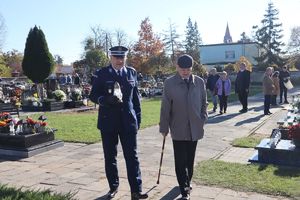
(275, 78)
(184, 112)
(242, 83)
(119, 118)
(223, 86)
(211, 84)
(268, 90)
(284, 77)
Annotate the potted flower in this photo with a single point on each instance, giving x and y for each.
(57, 103)
(294, 134)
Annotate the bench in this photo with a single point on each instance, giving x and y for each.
(8, 107)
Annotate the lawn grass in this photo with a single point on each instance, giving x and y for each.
(266, 179)
(82, 127)
(10, 193)
(247, 142)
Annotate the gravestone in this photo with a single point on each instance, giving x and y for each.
(284, 153)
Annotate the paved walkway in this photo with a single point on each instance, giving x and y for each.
(80, 168)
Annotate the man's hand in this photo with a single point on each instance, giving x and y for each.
(111, 100)
(164, 134)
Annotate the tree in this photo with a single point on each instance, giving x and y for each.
(13, 60)
(4, 70)
(58, 59)
(294, 42)
(171, 42)
(269, 36)
(121, 37)
(244, 38)
(193, 40)
(148, 45)
(38, 62)
(95, 58)
(2, 31)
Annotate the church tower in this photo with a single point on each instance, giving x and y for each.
(227, 37)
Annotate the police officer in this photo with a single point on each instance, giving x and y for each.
(119, 118)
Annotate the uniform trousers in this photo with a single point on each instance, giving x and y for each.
(184, 154)
(129, 145)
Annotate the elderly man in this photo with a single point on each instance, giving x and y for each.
(119, 118)
(184, 112)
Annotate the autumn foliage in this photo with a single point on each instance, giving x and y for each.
(147, 47)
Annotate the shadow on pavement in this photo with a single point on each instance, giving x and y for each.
(172, 194)
(258, 108)
(249, 120)
(220, 118)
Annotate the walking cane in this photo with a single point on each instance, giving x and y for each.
(161, 158)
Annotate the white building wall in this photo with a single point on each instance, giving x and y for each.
(228, 53)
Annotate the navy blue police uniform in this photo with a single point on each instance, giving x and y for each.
(120, 120)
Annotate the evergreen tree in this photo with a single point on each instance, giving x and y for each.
(38, 62)
(193, 40)
(269, 36)
(171, 42)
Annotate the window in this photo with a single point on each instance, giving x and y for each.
(229, 54)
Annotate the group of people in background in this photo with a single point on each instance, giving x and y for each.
(219, 86)
(69, 79)
(274, 84)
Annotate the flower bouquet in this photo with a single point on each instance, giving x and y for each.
(59, 95)
(76, 94)
(16, 126)
(294, 134)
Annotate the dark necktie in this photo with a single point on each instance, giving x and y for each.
(187, 82)
(119, 73)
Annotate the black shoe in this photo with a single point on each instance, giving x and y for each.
(112, 193)
(243, 110)
(286, 102)
(136, 196)
(270, 113)
(214, 109)
(221, 112)
(185, 196)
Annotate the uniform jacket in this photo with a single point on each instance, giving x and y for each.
(242, 81)
(123, 117)
(227, 86)
(268, 85)
(183, 110)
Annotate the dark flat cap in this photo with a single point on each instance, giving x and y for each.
(185, 61)
(118, 51)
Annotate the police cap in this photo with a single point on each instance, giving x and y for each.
(118, 51)
(185, 61)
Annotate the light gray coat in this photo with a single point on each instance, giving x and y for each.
(183, 110)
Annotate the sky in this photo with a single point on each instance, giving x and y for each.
(66, 23)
